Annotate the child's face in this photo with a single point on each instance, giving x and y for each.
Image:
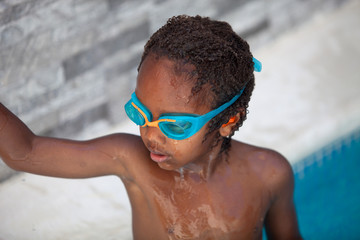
(162, 88)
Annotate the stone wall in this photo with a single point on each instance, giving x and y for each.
(65, 65)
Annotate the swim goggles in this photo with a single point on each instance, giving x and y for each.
(176, 126)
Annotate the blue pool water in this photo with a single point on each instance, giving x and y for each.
(327, 191)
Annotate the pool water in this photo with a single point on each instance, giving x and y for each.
(327, 191)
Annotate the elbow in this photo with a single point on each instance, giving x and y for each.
(17, 166)
(12, 163)
(18, 160)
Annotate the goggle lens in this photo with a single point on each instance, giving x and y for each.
(174, 128)
(134, 114)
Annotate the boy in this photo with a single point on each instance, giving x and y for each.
(185, 177)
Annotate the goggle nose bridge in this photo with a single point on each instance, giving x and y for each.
(147, 122)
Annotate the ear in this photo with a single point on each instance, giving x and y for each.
(226, 129)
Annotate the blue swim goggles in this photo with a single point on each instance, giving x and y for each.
(176, 126)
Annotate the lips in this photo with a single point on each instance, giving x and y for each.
(158, 157)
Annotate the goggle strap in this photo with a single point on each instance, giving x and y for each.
(257, 65)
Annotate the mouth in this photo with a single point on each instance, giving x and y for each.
(156, 154)
(158, 157)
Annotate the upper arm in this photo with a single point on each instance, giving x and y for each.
(107, 155)
(281, 220)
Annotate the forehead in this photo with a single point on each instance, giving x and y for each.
(165, 86)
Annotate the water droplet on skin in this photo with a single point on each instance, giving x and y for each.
(171, 230)
(181, 173)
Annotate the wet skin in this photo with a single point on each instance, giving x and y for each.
(177, 189)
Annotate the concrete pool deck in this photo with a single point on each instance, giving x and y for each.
(307, 95)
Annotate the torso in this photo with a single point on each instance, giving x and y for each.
(232, 204)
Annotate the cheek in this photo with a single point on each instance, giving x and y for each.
(141, 131)
(142, 134)
(191, 148)
(181, 147)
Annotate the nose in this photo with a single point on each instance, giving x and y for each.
(153, 134)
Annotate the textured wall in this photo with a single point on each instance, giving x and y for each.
(65, 65)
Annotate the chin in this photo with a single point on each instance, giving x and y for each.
(168, 166)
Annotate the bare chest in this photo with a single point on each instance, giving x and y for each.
(200, 211)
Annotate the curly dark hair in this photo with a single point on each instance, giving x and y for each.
(223, 63)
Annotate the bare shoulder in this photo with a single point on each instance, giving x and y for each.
(129, 149)
(123, 141)
(270, 165)
(123, 146)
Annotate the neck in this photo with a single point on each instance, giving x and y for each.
(203, 169)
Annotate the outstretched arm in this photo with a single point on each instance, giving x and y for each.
(24, 151)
